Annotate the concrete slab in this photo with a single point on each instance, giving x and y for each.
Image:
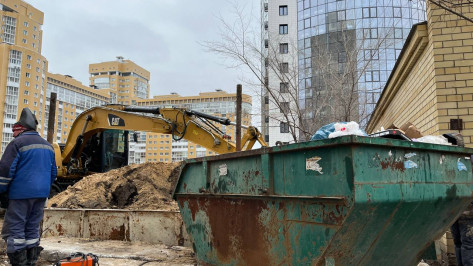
(153, 227)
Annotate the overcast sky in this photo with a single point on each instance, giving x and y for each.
(159, 35)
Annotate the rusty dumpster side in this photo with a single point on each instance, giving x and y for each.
(344, 201)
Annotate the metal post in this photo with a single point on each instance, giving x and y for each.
(238, 118)
(52, 117)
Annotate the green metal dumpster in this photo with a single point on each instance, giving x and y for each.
(344, 201)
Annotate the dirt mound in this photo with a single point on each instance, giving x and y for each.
(145, 186)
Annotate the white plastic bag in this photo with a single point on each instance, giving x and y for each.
(433, 139)
(343, 129)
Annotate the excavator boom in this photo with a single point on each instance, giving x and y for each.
(181, 123)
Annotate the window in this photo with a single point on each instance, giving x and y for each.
(282, 28)
(284, 67)
(284, 107)
(397, 12)
(370, 33)
(26, 24)
(25, 32)
(25, 101)
(342, 57)
(397, 33)
(283, 10)
(372, 76)
(284, 87)
(369, 12)
(27, 83)
(306, 4)
(27, 74)
(27, 92)
(332, 21)
(266, 119)
(28, 57)
(306, 23)
(266, 43)
(371, 54)
(24, 40)
(9, 29)
(398, 52)
(283, 48)
(283, 127)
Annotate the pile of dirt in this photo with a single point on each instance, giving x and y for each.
(145, 186)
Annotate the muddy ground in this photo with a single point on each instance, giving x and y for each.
(147, 186)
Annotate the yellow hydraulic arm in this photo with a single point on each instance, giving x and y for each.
(181, 123)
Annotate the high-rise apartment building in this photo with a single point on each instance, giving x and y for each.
(73, 98)
(154, 147)
(347, 50)
(22, 67)
(279, 109)
(126, 81)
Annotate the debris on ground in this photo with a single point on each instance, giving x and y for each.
(146, 186)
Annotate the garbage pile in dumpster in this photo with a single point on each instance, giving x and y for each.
(145, 186)
(406, 132)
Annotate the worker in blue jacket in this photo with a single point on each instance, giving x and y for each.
(27, 171)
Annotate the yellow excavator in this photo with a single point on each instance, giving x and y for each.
(98, 139)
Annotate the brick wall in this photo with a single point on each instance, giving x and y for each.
(432, 82)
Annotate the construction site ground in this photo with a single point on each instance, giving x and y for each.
(111, 252)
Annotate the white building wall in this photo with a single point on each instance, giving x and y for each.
(272, 127)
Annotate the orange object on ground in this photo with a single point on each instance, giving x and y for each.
(79, 259)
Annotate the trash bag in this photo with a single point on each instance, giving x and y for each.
(324, 131)
(337, 129)
(433, 139)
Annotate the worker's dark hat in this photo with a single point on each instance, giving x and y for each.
(28, 119)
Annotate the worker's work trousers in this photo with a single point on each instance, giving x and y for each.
(462, 232)
(21, 224)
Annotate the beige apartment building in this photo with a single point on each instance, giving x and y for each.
(126, 81)
(22, 67)
(72, 99)
(161, 148)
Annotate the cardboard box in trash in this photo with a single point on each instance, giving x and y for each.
(409, 130)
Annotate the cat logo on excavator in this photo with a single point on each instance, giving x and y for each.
(114, 120)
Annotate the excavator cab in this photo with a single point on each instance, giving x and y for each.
(106, 150)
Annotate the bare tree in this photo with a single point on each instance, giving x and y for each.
(340, 84)
(346, 74)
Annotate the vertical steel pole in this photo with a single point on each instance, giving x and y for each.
(52, 117)
(238, 118)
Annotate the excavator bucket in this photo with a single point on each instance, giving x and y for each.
(344, 201)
